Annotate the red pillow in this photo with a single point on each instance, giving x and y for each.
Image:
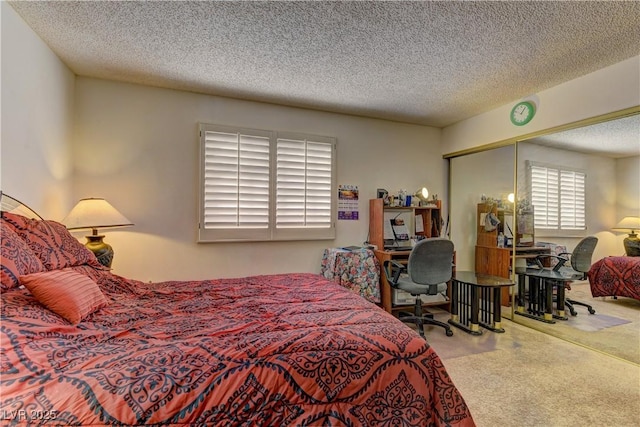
(16, 258)
(68, 294)
(51, 242)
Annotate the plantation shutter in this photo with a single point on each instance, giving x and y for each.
(236, 183)
(544, 197)
(261, 185)
(572, 195)
(558, 197)
(304, 183)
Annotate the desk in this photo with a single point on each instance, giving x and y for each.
(475, 301)
(541, 284)
(357, 270)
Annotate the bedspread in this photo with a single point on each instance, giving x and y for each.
(281, 350)
(615, 276)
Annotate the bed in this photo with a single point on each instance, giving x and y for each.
(617, 276)
(83, 346)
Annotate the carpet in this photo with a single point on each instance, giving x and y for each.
(530, 379)
(614, 329)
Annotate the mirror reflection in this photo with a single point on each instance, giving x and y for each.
(570, 187)
(578, 184)
(480, 185)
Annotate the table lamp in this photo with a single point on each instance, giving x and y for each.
(631, 243)
(96, 213)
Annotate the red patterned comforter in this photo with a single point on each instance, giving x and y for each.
(615, 276)
(275, 350)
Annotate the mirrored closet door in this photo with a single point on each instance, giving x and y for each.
(595, 153)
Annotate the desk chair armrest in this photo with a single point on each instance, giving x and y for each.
(561, 260)
(399, 269)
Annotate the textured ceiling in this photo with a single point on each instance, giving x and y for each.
(431, 63)
(615, 138)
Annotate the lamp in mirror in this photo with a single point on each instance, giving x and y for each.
(630, 224)
(95, 213)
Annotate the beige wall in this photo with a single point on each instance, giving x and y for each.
(37, 119)
(138, 147)
(628, 179)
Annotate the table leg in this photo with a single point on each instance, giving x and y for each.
(548, 297)
(521, 290)
(494, 306)
(475, 309)
(560, 302)
(454, 301)
(460, 296)
(534, 296)
(497, 311)
(537, 287)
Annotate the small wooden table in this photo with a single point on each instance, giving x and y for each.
(475, 301)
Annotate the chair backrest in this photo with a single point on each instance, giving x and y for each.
(430, 261)
(581, 255)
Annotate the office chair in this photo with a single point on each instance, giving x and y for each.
(429, 269)
(580, 260)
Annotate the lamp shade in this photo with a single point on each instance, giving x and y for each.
(422, 194)
(94, 213)
(631, 223)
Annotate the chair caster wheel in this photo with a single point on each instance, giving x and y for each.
(592, 311)
(449, 333)
(574, 313)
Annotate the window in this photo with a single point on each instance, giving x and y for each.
(258, 185)
(558, 197)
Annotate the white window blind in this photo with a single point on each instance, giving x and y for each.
(303, 184)
(261, 185)
(236, 183)
(558, 197)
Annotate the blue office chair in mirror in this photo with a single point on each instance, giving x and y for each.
(427, 272)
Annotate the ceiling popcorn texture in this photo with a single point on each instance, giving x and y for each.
(615, 138)
(426, 62)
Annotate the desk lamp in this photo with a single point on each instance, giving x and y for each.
(422, 195)
(631, 243)
(96, 213)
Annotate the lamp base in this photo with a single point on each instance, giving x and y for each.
(632, 245)
(102, 250)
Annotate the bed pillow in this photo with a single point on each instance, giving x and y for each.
(51, 242)
(68, 294)
(16, 258)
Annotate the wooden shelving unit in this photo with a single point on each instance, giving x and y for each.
(497, 261)
(431, 220)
